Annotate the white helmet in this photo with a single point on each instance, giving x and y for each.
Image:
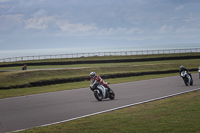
(92, 74)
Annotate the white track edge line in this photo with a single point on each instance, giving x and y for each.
(125, 106)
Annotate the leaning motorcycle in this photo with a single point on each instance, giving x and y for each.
(101, 92)
(186, 78)
(24, 68)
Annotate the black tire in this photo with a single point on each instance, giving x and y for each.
(98, 96)
(112, 94)
(24, 68)
(191, 83)
(186, 81)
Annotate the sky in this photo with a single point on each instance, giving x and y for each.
(41, 24)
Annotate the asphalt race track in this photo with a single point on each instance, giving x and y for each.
(35, 110)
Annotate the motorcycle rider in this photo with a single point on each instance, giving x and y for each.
(94, 77)
(24, 67)
(182, 68)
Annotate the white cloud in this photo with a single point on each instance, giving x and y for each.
(179, 7)
(192, 19)
(38, 23)
(120, 31)
(74, 28)
(135, 30)
(12, 18)
(4, 0)
(128, 20)
(7, 22)
(40, 13)
(165, 29)
(184, 29)
(1, 41)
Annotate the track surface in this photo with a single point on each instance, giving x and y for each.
(35, 110)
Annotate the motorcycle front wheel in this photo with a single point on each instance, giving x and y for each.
(186, 81)
(98, 95)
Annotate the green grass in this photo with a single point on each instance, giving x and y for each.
(25, 77)
(71, 71)
(68, 86)
(178, 62)
(177, 114)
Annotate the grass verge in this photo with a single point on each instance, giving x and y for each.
(25, 77)
(176, 114)
(68, 86)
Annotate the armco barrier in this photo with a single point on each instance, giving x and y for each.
(103, 61)
(86, 78)
(116, 53)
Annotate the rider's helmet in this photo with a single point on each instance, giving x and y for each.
(181, 67)
(92, 74)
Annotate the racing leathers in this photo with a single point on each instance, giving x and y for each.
(184, 69)
(100, 80)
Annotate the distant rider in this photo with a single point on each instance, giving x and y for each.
(182, 68)
(94, 77)
(24, 67)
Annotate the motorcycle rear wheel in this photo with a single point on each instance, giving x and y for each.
(191, 82)
(112, 94)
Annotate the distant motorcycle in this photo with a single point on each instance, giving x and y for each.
(24, 68)
(101, 92)
(186, 78)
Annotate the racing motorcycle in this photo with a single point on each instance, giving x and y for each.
(101, 92)
(24, 68)
(186, 78)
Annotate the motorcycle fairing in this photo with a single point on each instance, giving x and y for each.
(102, 89)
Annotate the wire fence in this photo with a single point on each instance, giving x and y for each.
(117, 53)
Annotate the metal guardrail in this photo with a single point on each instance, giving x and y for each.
(118, 53)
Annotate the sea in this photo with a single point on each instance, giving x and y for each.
(57, 51)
